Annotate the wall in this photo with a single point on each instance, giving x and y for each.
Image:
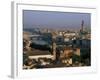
(5, 40)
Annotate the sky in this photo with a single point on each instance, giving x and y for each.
(51, 19)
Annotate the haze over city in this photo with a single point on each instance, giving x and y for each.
(60, 20)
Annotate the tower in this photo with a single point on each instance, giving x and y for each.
(54, 45)
(82, 24)
(81, 30)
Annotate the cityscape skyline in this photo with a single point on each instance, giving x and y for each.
(50, 42)
(54, 20)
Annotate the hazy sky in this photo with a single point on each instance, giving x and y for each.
(49, 19)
